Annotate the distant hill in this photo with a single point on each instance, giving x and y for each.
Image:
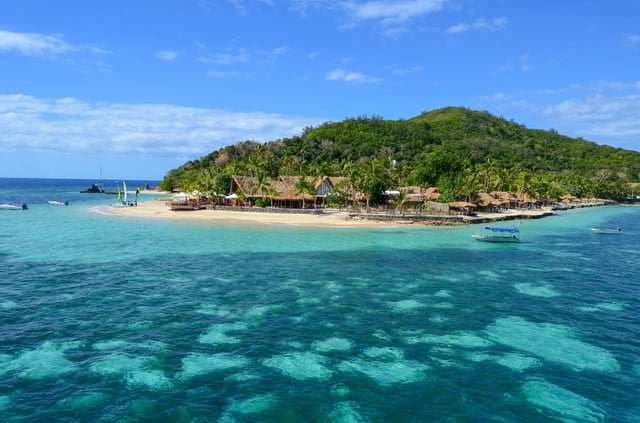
(441, 143)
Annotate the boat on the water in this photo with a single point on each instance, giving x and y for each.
(499, 234)
(13, 207)
(123, 202)
(58, 203)
(606, 231)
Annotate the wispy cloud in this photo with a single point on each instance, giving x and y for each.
(32, 44)
(70, 125)
(227, 58)
(39, 45)
(355, 77)
(167, 55)
(632, 40)
(607, 112)
(392, 16)
(481, 24)
(598, 116)
(389, 12)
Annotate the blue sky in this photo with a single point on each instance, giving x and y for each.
(131, 89)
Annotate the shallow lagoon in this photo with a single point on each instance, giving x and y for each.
(105, 318)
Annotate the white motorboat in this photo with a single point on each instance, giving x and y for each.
(58, 203)
(13, 207)
(499, 234)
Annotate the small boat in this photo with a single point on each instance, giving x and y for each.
(58, 203)
(606, 231)
(499, 234)
(13, 207)
(124, 202)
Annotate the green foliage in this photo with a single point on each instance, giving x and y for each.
(457, 149)
(262, 202)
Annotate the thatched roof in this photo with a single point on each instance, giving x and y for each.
(503, 196)
(485, 200)
(432, 193)
(461, 205)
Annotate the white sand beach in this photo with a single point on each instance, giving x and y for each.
(160, 209)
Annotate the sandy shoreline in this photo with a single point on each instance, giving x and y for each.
(159, 209)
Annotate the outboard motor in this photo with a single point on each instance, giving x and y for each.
(24, 207)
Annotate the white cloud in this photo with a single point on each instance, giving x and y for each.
(598, 116)
(38, 45)
(479, 25)
(607, 112)
(70, 125)
(32, 44)
(390, 11)
(168, 55)
(392, 15)
(356, 77)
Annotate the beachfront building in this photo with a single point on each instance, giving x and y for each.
(284, 191)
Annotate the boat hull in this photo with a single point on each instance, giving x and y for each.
(13, 207)
(606, 231)
(496, 238)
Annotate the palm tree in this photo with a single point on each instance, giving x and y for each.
(302, 187)
(262, 185)
(321, 170)
(469, 186)
(400, 201)
(287, 161)
(350, 171)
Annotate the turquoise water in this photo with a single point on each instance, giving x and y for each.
(109, 318)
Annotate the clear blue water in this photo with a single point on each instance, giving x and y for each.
(109, 318)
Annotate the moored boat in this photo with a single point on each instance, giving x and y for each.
(606, 231)
(13, 207)
(58, 203)
(498, 234)
(124, 202)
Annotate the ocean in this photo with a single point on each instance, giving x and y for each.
(107, 318)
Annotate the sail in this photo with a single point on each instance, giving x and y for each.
(124, 184)
(118, 192)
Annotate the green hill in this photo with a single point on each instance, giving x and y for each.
(457, 149)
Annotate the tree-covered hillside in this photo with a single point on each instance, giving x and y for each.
(459, 150)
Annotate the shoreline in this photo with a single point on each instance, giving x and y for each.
(158, 209)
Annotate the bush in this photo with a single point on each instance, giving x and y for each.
(262, 202)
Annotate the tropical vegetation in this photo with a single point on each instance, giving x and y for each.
(461, 151)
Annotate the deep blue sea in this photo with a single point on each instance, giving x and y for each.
(107, 318)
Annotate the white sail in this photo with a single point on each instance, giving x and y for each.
(124, 184)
